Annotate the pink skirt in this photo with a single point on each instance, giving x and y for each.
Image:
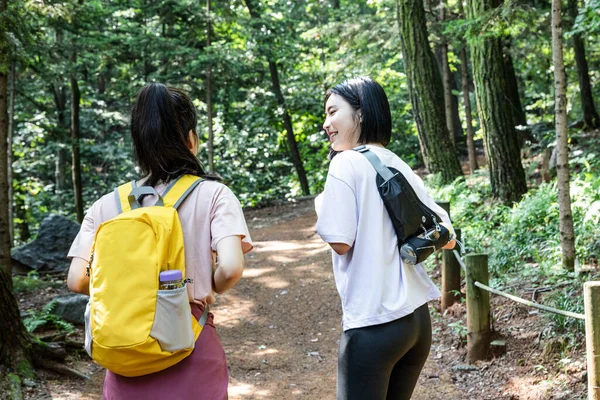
(202, 375)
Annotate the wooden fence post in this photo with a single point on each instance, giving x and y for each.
(591, 300)
(450, 277)
(478, 308)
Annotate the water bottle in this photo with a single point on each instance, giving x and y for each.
(169, 280)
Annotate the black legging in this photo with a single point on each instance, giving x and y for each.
(384, 361)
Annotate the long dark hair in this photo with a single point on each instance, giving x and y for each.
(161, 120)
(366, 95)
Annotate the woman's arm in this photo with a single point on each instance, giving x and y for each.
(231, 263)
(77, 280)
(340, 248)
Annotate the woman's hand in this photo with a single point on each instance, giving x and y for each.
(450, 245)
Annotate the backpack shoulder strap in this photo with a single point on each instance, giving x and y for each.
(380, 167)
(179, 189)
(121, 196)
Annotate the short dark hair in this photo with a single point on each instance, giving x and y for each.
(366, 95)
(161, 120)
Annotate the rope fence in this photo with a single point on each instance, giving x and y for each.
(475, 267)
(518, 299)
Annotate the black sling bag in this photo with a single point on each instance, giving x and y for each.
(417, 227)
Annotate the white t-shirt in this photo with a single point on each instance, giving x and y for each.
(374, 285)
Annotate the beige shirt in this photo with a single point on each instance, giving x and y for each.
(209, 213)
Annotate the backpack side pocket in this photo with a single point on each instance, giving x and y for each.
(172, 326)
(88, 330)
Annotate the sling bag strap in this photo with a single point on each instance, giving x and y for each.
(380, 167)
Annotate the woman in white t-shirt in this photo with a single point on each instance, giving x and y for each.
(386, 326)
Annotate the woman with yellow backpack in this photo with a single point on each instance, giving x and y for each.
(144, 254)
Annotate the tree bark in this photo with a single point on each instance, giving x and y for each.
(512, 91)
(425, 91)
(446, 77)
(5, 245)
(75, 135)
(209, 110)
(567, 235)
(464, 78)
(287, 120)
(21, 214)
(507, 176)
(13, 336)
(60, 100)
(590, 115)
(9, 142)
(464, 81)
(15, 343)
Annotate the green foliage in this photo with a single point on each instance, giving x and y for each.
(567, 299)
(36, 319)
(30, 282)
(459, 329)
(528, 232)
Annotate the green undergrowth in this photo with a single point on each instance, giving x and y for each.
(32, 282)
(523, 240)
(44, 317)
(526, 236)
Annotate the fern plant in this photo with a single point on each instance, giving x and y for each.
(37, 319)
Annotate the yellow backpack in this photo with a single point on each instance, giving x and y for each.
(132, 327)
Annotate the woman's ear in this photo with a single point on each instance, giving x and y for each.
(192, 142)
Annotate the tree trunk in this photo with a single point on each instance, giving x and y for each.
(60, 100)
(446, 77)
(16, 345)
(75, 135)
(458, 130)
(464, 78)
(425, 91)
(9, 142)
(287, 123)
(590, 115)
(512, 91)
(209, 110)
(5, 245)
(21, 214)
(567, 235)
(287, 120)
(500, 138)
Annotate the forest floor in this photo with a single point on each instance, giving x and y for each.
(280, 327)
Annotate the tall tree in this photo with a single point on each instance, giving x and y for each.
(507, 175)
(209, 108)
(567, 235)
(287, 120)
(512, 90)
(76, 122)
(464, 80)
(9, 145)
(425, 91)
(5, 244)
(590, 115)
(75, 145)
(446, 78)
(13, 336)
